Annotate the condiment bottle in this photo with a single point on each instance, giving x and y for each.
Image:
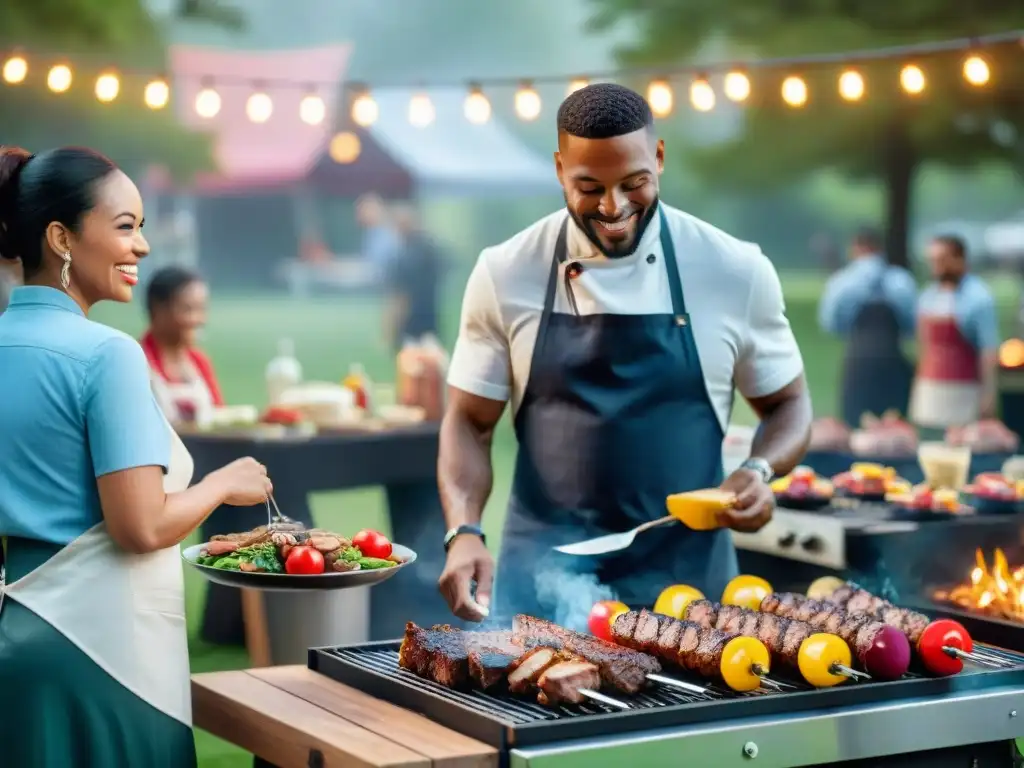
(283, 372)
(359, 383)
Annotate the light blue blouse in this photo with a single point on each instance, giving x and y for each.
(75, 404)
(852, 287)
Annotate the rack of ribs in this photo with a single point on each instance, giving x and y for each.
(783, 637)
(685, 644)
(621, 668)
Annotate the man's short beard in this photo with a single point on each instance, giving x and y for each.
(641, 228)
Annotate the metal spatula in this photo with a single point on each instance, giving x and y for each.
(613, 542)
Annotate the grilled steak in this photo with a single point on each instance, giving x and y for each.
(621, 668)
(854, 600)
(562, 682)
(681, 643)
(438, 654)
(489, 668)
(783, 637)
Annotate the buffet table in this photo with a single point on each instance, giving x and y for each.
(291, 717)
(831, 463)
(403, 460)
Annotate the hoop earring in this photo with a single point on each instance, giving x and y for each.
(65, 271)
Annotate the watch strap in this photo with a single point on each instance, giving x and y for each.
(473, 530)
(761, 466)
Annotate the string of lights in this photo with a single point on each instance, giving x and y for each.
(735, 80)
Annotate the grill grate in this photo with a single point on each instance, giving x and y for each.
(504, 721)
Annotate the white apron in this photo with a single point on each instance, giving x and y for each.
(125, 612)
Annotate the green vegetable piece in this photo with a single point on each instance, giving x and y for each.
(352, 555)
(374, 563)
(228, 563)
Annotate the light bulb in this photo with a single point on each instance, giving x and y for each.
(421, 110)
(58, 79)
(528, 103)
(364, 110)
(207, 103)
(157, 94)
(576, 85)
(312, 109)
(259, 107)
(107, 87)
(851, 85)
(737, 86)
(976, 71)
(659, 96)
(912, 79)
(794, 91)
(345, 148)
(477, 108)
(702, 95)
(15, 70)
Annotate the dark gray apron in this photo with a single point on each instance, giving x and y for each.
(877, 376)
(615, 417)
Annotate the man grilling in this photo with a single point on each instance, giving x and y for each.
(958, 342)
(617, 330)
(871, 304)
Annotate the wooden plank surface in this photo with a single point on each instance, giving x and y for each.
(282, 713)
(282, 728)
(443, 747)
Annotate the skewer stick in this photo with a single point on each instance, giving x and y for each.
(671, 682)
(841, 669)
(974, 658)
(602, 699)
(767, 682)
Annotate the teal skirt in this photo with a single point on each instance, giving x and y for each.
(58, 709)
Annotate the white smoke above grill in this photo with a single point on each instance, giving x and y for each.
(569, 596)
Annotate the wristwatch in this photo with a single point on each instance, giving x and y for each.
(472, 530)
(761, 466)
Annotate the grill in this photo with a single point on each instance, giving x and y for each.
(512, 723)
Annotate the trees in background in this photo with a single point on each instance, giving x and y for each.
(888, 135)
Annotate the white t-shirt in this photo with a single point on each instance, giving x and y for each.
(731, 290)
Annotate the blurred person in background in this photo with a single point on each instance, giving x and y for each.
(380, 241)
(183, 378)
(871, 305)
(958, 343)
(412, 280)
(94, 492)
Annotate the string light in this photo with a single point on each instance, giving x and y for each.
(345, 148)
(157, 94)
(421, 110)
(737, 86)
(15, 70)
(576, 85)
(659, 96)
(851, 85)
(58, 79)
(364, 109)
(527, 103)
(108, 85)
(794, 91)
(976, 71)
(912, 79)
(207, 103)
(312, 109)
(702, 95)
(259, 107)
(477, 107)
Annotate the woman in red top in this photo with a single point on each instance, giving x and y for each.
(183, 379)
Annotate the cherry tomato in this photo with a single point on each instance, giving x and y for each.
(602, 615)
(673, 600)
(824, 587)
(937, 635)
(738, 659)
(304, 561)
(746, 592)
(817, 655)
(888, 657)
(372, 544)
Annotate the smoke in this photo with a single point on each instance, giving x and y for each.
(568, 596)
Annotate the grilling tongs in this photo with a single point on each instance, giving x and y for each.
(697, 510)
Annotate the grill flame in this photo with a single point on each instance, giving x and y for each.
(996, 591)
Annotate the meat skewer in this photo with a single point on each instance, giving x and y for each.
(822, 659)
(882, 651)
(742, 662)
(943, 645)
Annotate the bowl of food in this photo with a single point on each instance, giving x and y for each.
(866, 481)
(289, 557)
(993, 493)
(802, 489)
(922, 502)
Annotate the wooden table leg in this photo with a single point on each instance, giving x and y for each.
(257, 637)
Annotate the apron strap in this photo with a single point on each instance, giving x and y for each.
(675, 282)
(549, 296)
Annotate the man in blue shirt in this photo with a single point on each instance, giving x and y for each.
(958, 339)
(380, 240)
(871, 305)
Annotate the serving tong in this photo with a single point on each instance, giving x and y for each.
(279, 522)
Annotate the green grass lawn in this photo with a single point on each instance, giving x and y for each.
(330, 334)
